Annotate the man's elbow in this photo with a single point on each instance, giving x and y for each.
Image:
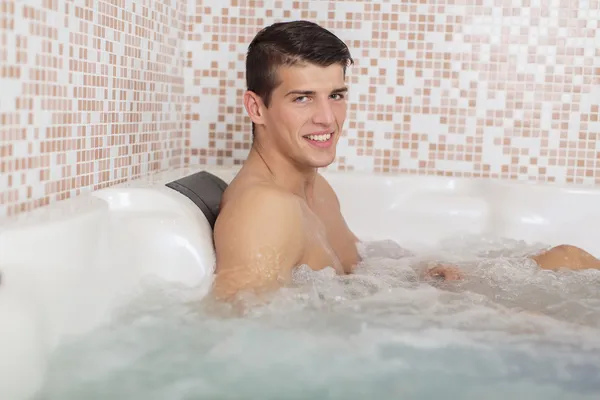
(229, 285)
(223, 291)
(225, 285)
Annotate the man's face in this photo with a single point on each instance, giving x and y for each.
(306, 113)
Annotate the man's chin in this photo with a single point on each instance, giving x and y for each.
(319, 157)
(322, 162)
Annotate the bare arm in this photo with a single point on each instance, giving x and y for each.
(258, 241)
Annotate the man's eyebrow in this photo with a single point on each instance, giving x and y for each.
(340, 90)
(312, 92)
(300, 92)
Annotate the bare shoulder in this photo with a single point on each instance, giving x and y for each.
(258, 240)
(254, 203)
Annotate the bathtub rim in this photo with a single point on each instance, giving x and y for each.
(87, 203)
(163, 177)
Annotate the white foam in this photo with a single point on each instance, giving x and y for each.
(509, 329)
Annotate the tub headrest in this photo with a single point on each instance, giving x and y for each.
(205, 190)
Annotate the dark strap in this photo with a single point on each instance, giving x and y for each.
(205, 190)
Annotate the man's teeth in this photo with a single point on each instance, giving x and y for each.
(320, 138)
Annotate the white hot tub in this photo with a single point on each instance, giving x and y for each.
(66, 266)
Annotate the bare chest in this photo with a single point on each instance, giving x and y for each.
(329, 243)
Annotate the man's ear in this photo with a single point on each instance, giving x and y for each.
(254, 107)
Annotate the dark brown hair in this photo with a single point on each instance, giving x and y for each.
(286, 44)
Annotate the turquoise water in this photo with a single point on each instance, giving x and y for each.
(508, 330)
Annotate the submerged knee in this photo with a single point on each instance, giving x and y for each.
(566, 256)
(567, 248)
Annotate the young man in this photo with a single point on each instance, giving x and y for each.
(279, 213)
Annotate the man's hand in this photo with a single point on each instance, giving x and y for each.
(444, 272)
(259, 239)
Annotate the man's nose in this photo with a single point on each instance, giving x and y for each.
(324, 114)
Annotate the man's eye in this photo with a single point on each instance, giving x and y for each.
(301, 99)
(337, 96)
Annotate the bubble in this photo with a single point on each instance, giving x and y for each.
(508, 329)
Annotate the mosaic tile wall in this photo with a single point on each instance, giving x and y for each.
(96, 92)
(492, 88)
(91, 95)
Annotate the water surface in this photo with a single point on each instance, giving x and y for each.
(509, 330)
